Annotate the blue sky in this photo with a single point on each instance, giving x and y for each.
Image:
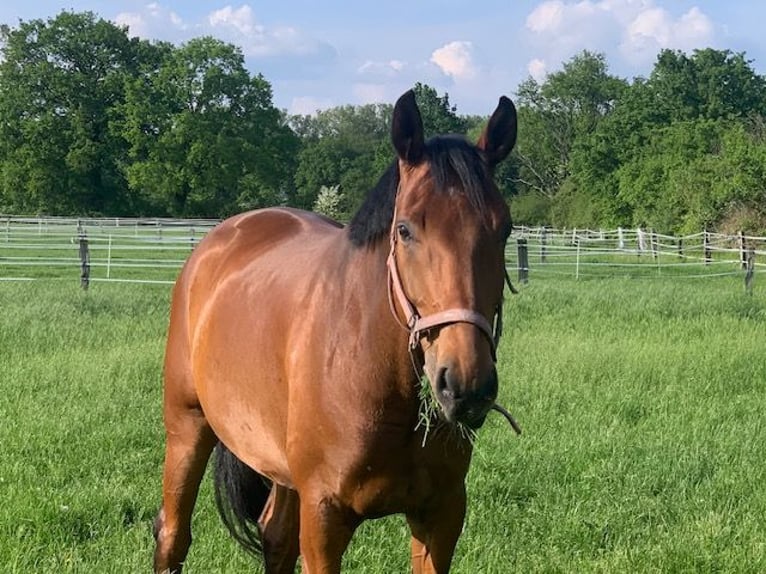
(318, 54)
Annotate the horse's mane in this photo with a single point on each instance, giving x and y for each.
(455, 165)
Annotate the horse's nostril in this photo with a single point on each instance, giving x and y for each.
(448, 385)
(441, 384)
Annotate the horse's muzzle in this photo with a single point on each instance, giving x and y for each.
(464, 405)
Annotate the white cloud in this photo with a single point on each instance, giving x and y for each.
(241, 19)
(655, 29)
(456, 60)
(309, 105)
(640, 28)
(237, 25)
(548, 16)
(371, 93)
(135, 23)
(155, 21)
(538, 69)
(389, 69)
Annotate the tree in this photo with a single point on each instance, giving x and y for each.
(330, 202)
(709, 84)
(653, 158)
(205, 137)
(61, 84)
(558, 120)
(347, 146)
(439, 116)
(653, 152)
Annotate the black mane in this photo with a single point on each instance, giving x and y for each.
(456, 165)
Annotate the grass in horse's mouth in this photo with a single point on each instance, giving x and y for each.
(430, 417)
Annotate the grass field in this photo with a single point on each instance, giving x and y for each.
(642, 404)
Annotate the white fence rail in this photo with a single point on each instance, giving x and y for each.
(106, 249)
(153, 250)
(633, 253)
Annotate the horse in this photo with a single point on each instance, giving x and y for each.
(297, 350)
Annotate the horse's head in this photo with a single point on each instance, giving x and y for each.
(446, 266)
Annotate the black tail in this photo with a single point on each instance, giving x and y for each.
(240, 494)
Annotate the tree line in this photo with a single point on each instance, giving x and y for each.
(95, 122)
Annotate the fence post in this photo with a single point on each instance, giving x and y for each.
(742, 250)
(706, 247)
(191, 238)
(82, 238)
(681, 248)
(577, 265)
(750, 262)
(521, 246)
(653, 243)
(641, 239)
(543, 245)
(7, 229)
(109, 258)
(620, 239)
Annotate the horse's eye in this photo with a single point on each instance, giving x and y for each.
(404, 232)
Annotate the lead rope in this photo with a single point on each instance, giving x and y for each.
(498, 333)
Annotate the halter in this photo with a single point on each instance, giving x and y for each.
(419, 326)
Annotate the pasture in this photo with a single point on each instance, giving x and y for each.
(641, 402)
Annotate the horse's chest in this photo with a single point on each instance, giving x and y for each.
(401, 483)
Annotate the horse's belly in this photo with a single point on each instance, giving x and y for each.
(240, 382)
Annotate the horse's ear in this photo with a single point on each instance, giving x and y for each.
(499, 136)
(407, 128)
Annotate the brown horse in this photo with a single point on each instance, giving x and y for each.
(286, 347)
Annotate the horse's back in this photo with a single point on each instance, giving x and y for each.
(232, 312)
(246, 244)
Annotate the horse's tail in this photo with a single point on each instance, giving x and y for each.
(240, 495)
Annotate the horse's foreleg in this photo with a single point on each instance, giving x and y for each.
(189, 442)
(435, 532)
(279, 525)
(326, 529)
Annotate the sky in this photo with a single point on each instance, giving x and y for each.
(323, 53)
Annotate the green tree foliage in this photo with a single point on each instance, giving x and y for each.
(439, 116)
(94, 122)
(205, 138)
(694, 173)
(559, 115)
(61, 83)
(350, 146)
(347, 146)
(330, 202)
(709, 84)
(675, 151)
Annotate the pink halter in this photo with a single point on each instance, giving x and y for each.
(419, 326)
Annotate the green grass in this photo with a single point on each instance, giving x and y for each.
(641, 402)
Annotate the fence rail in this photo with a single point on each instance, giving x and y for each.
(153, 250)
(101, 249)
(635, 253)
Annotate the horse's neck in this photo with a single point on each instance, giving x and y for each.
(367, 294)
